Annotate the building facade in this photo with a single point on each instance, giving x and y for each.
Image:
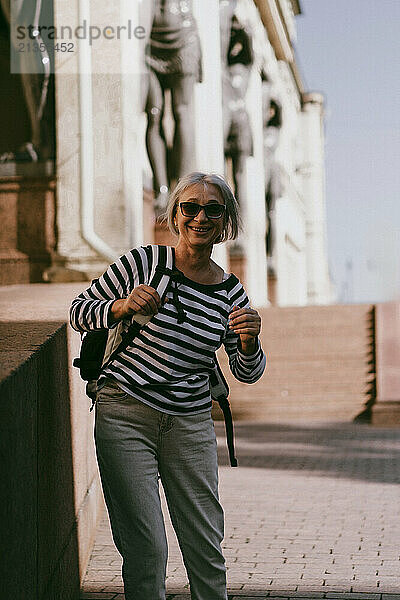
(98, 197)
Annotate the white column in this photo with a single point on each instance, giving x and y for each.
(290, 251)
(208, 101)
(133, 127)
(70, 245)
(254, 217)
(313, 176)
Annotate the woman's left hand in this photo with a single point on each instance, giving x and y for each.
(246, 322)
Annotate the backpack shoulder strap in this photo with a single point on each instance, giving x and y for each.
(219, 392)
(159, 279)
(163, 261)
(118, 340)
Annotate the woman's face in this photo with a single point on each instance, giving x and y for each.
(199, 231)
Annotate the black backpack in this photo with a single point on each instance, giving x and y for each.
(99, 348)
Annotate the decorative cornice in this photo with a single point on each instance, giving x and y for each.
(313, 98)
(276, 30)
(297, 78)
(296, 7)
(278, 36)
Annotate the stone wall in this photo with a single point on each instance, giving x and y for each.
(51, 495)
(39, 533)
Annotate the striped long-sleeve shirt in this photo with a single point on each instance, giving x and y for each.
(168, 363)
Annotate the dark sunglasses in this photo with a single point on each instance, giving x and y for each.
(192, 209)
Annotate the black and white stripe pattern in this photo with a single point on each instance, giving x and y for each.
(167, 366)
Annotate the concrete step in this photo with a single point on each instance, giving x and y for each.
(318, 365)
(339, 312)
(327, 346)
(316, 369)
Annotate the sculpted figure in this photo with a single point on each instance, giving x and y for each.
(226, 12)
(272, 122)
(238, 57)
(173, 56)
(36, 79)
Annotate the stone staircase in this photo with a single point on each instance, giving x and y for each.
(320, 366)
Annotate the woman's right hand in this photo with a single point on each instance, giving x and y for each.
(144, 300)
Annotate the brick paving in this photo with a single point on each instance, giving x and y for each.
(312, 512)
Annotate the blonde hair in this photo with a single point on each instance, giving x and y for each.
(231, 216)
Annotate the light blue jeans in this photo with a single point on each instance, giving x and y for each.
(134, 444)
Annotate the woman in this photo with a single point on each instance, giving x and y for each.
(153, 402)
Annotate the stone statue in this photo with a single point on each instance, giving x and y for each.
(237, 61)
(173, 56)
(226, 12)
(36, 79)
(272, 122)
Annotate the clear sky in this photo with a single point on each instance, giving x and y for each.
(349, 50)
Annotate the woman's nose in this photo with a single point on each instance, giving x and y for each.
(201, 216)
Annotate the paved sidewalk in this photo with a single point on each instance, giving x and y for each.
(312, 512)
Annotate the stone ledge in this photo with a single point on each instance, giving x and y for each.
(37, 495)
(20, 341)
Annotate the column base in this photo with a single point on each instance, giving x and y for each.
(14, 267)
(27, 237)
(59, 274)
(237, 265)
(386, 414)
(65, 270)
(272, 284)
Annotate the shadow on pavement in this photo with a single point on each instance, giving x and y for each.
(336, 450)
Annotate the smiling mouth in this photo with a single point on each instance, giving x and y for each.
(199, 229)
